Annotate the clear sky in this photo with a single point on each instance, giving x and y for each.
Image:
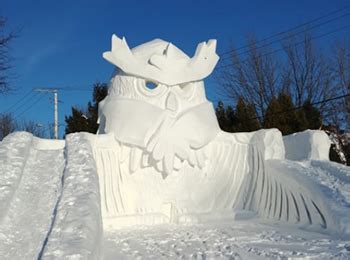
(61, 42)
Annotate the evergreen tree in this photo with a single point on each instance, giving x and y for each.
(312, 115)
(225, 116)
(220, 115)
(85, 120)
(246, 118)
(272, 117)
(281, 113)
(77, 121)
(231, 119)
(294, 118)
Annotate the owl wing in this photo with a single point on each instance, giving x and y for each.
(279, 190)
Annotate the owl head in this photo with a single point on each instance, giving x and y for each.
(161, 74)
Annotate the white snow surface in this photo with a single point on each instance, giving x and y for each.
(269, 141)
(307, 145)
(50, 209)
(223, 240)
(77, 228)
(34, 178)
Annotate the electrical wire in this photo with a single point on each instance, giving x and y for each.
(19, 102)
(281, 49)
(293, 28)
(290, 35)
(30, 106)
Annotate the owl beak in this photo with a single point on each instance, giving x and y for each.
(171, 103)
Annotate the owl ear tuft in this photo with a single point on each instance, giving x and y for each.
(168, 67)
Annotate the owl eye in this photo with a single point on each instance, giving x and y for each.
(150, 88)
(151, 85)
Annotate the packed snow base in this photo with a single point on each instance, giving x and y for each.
(50, 209)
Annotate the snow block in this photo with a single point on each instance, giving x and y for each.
(270, 143)
(307, 145)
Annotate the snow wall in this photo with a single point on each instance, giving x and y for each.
(268, 141)
(307, 145)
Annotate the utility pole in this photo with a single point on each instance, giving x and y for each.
(55, 103)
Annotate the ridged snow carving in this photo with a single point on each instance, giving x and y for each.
(284, 194)
(161, 156)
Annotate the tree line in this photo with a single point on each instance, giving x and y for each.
(280, 113)
(298, 73)
(295, 87)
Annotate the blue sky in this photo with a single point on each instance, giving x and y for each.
(61, 42)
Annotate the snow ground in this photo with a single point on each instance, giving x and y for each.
(224, 240)
(42, 219)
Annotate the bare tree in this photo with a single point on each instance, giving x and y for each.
(299, 68)
(342, 73)
(309, 72)
(33, 127)
(252, 76)
(7, 125)
(5, 60)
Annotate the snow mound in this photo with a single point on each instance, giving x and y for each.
(334, 179)
(307, 145)
(31, 180)
(77, 229)
(14, 150)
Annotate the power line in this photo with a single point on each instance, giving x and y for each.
(29, 107)
(19, 108)
(293, 28)
(19, 102)
(281, 49)
(289, 35)
(76, 89)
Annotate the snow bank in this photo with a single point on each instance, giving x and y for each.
(14, 150)
(48, 144)
(334, 179)
(307, 145)
(77, 229)
(31, 196)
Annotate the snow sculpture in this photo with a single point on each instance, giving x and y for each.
(161, 156)
(307, 145)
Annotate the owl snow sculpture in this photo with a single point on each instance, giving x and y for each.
(161, 156)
